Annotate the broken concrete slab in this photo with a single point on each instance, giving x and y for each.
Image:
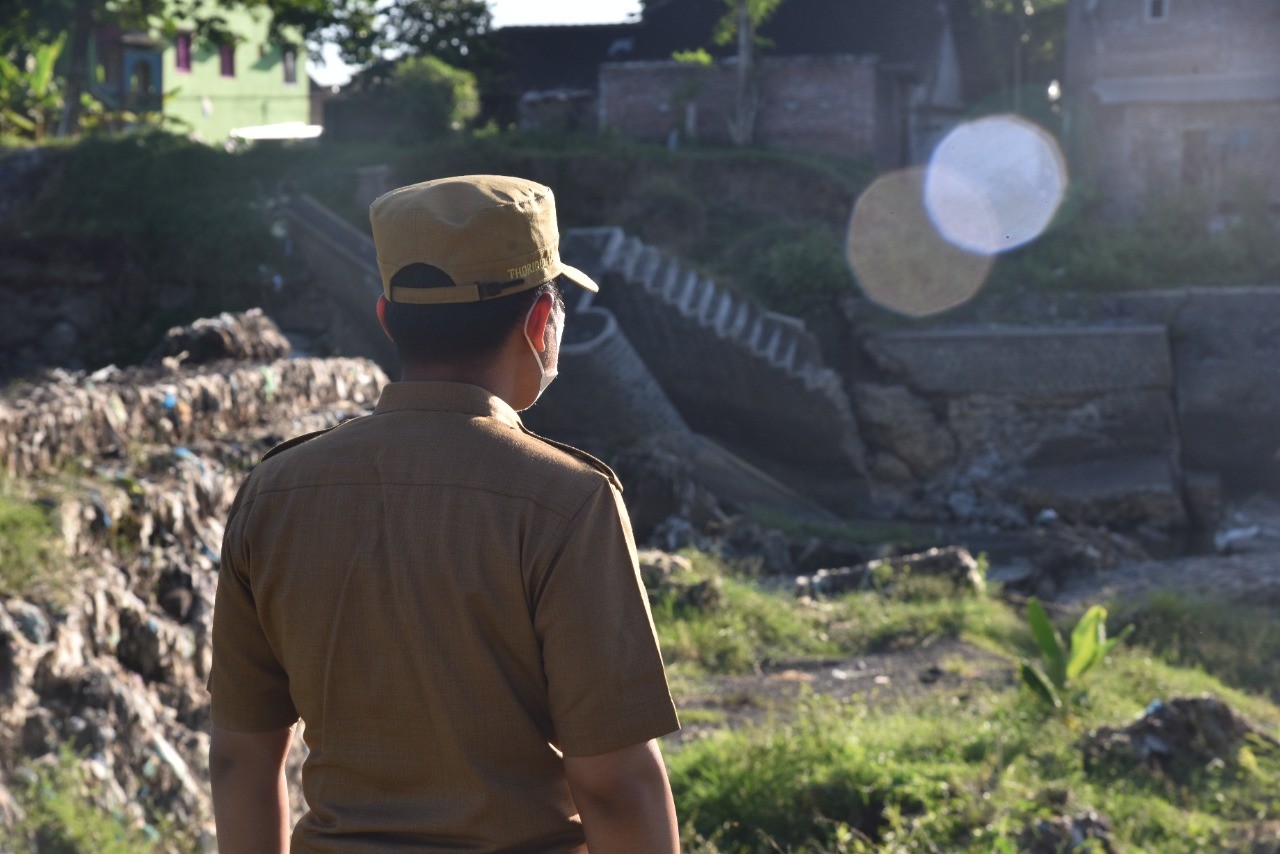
(1122, 494)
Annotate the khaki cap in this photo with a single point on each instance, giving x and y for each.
(492, 236)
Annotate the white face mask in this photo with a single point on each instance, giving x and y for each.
(557, 319)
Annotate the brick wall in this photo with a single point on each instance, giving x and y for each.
(1195, 37)
(1146, 150)
(815, 104)
(1189, 101)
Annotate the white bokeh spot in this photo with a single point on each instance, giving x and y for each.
(995, 184)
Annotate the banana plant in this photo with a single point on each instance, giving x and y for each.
(1064, 665)
(29, 95)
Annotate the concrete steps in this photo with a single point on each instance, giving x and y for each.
(778, 340)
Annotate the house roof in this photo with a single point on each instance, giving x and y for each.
(560, 57)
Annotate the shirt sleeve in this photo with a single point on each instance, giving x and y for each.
(249, 687)
(605, 677)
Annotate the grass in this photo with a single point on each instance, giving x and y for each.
(752, 627)
(1238, 642)
(61, 819)
(1168, 247)
(954, 769)
(31, 557)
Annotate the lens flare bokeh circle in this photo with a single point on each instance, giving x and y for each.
(995, 184)
(900, 260)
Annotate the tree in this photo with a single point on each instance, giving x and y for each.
(453, 31)
(431, 98)
(27, 23)
(29, 97)
(741, 23)
(457, 32)
(1023, 43)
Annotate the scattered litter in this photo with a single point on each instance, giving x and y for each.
(1225, 541)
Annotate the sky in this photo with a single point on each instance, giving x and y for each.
(510, 13)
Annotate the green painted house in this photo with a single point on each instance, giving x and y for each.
(212, 88)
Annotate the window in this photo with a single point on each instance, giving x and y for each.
(227, 55)
(290, 60)
(1157, 10)
(183, 50)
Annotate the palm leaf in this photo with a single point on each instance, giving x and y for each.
(1038, 683)
(1049, 642)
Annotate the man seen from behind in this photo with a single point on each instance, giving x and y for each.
(450, 603)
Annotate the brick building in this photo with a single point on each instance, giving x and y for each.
(880, 78)
(1176, 94)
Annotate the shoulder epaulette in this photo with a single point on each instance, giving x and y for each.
(298, 440)
(594, 462)
(293, 443)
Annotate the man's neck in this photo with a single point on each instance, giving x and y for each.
(497, 382)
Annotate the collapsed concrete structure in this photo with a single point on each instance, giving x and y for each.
(1125, 421)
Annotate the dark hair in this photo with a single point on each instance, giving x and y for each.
(455, 332)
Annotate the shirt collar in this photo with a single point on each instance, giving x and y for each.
(446, 397)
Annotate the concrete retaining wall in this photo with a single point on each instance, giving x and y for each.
(1226, 357)
(1026, 409)
(1031, 361)
(21, 173)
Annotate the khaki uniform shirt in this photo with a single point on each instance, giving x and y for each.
(449, 603)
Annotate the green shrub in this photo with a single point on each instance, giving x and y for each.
(432, 98)
(182, 211)
(964, 770)
(789, 786)
(795, 269)
(30, 100)
(835, 779)
(31, 559)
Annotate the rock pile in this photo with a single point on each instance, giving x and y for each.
(1088, 831)
(99, 416)
(247, 337)
(146, 462)
(1175, 738)
(953, 563)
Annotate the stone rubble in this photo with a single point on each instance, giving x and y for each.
(247, 337)
(1176, 738)
(142, 464)
(1088, 831)
(953, 563)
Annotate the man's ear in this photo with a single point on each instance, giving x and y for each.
(382, 317)
(539, 317)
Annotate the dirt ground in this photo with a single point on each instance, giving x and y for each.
(1247, 566)
(946, 667)
(1244, 565)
